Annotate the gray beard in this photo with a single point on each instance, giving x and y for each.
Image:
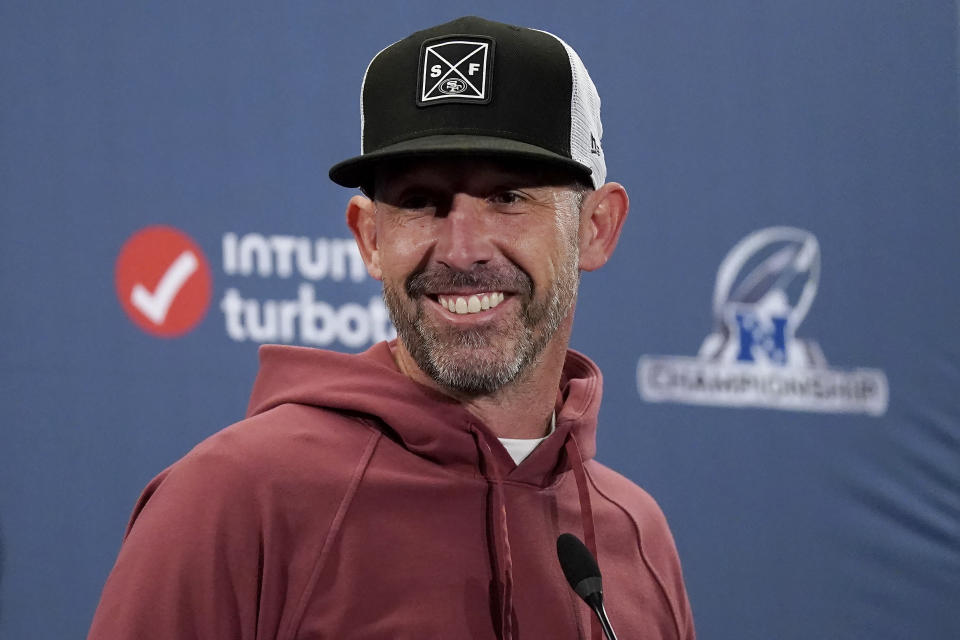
(439, 351)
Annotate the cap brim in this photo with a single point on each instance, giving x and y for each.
(356, 171)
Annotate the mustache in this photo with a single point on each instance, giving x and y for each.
(438, 278)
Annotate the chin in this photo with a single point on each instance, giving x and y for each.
(475, 380)
(469, 362)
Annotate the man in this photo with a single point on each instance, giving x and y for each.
(417, 490)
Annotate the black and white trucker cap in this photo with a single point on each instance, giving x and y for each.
(478, 88)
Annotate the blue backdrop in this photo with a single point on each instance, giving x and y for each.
(787, 162)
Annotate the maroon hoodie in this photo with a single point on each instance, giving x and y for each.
(355, 503)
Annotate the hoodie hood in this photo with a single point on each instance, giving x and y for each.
(429, 424)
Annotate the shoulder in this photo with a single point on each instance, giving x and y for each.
(270, 461)
(290, 438)
(621, 497)
(252, 505)
(624, 493)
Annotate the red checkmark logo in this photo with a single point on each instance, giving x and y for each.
(163, 281)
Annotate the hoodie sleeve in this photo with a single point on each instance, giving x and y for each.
(190, 561)
(654, 542)
(657, 544)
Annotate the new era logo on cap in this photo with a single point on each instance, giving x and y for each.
(455, 69)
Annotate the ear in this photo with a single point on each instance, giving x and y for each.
(361, 218)
(601, 220)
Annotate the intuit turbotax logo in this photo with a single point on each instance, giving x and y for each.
(165, 284)
(765, 287)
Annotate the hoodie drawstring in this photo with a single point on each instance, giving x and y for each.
(586, 515)
(501, 538)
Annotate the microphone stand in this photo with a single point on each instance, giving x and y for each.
(595, 600)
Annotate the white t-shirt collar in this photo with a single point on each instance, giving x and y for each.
(520, 448)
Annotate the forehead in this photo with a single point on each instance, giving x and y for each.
(457, 173)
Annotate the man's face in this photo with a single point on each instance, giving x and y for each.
(479, 264)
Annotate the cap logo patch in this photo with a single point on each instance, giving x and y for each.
(453, 86)
(455, 69)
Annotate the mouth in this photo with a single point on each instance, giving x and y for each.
(465, 304)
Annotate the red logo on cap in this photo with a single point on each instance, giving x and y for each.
(163, 281)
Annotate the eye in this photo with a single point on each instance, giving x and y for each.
(507, 198)
(417, 201)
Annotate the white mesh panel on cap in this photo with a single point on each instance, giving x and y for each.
(363, 84)
(586, 130)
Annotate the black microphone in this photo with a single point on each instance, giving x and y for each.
(583, 574)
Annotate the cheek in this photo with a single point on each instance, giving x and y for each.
(543, 253)
(402, 249)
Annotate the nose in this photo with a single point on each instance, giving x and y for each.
(464, 237)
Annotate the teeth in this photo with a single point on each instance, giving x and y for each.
(471, 304)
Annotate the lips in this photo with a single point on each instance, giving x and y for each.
(474, 303)
(464, 293)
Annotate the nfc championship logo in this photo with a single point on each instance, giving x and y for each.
(765, 287)
(455, 70)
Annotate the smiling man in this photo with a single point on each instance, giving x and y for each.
(418, 490)
(480, 263)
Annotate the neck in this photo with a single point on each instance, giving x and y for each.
(520, 409)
